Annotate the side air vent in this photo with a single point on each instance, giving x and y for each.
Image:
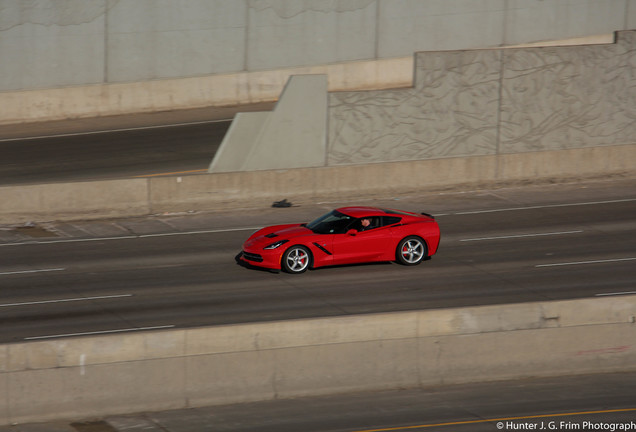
(322, 248)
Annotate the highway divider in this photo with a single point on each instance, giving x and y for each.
(85, 377)
(221, 191)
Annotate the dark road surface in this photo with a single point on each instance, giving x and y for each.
(504, 245)
(499, 246)
(583, 403)
(114, 147)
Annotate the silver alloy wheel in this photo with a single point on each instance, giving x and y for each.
(411, 251)
(296, 259)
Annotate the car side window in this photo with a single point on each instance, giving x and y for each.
(367, 223)
(390, 220)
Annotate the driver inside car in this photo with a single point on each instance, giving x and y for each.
(366, 224)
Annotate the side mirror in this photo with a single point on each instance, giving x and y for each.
(352, 232)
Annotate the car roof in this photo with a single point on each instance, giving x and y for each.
(361, 211)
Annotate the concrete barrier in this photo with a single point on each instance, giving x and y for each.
(184, 93)
(221, 191)
(79, 200)
(104, 375)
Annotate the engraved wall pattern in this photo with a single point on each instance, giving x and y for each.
(482, 102)
(568, 97)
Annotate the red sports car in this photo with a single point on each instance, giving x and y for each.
(347, 235)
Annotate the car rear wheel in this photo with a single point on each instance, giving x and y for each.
(411, 251)
(296, 259)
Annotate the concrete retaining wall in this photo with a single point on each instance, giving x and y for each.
(83, 42)
(492, 101)
(137, 197)
(462, 104)
(214, 90)
(96, 376)
(82, 58)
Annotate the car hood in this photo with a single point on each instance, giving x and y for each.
(269, 235)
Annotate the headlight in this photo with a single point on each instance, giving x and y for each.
(277, 244)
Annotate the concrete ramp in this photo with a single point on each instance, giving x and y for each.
(294, 135)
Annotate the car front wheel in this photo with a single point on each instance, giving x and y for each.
(296, 259)
(411, 251)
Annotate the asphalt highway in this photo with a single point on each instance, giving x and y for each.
(603, 402)
(507, 245)
(110, 155)
(114, 147)
(500, 245)
(588, 403)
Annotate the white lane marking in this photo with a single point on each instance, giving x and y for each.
(163, 126)
(68, 240)
(66, 300)
(615, 294)
(199, 232)
(586, 262)
(81, 240)
(31, 271)
(127, 330)
(255, 228)
(546, 206)
(523, 235)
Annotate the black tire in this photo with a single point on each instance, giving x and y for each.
(296, 259)
(411, 250)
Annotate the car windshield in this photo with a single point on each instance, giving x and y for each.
(333, 222)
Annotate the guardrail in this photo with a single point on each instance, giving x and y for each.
(137, 197)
